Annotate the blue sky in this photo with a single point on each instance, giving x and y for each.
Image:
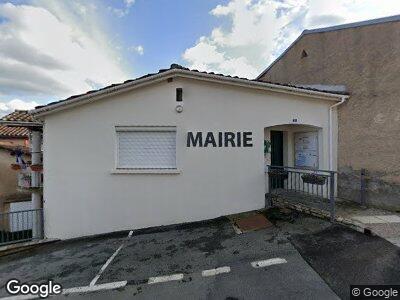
(51, 49)
(164, 29)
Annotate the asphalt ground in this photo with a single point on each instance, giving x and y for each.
(293, 280)
(343, 257)
(188, 249)
(314, 252)
(68, 263)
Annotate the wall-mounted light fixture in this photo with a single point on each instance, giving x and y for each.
(179, 95)
(179, 108)
(179, 98)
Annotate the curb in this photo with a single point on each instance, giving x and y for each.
(18, 247)
(324, 215)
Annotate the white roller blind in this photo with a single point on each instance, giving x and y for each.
(147, 149)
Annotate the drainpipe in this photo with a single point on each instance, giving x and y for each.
(36, 155)
(343, 99)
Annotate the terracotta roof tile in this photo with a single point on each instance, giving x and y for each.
(19, 116)
(12, 132)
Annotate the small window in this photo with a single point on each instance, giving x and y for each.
(146, 148)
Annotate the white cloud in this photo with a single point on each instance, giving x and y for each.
(259, 30)
(55, 48)
(10, 106)
(129, 3)
(122, 12)
(137, 49)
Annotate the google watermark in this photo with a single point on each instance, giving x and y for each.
(375, 292)
(43, 290)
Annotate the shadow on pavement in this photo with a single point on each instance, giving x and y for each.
(343, 257)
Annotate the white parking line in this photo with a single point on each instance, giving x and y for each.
(109, 260)
(268, 262)
(173, 277)
(97, 287)
(216, 271)
(159, 279)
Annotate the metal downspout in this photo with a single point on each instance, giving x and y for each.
(331, 131)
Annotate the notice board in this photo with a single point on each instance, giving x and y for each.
(306, 149)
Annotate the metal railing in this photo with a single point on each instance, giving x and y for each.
(21, 226)
(310, 187)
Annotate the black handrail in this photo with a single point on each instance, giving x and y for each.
(21, 226)
(304, 181)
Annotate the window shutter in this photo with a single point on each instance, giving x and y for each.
(147, 149)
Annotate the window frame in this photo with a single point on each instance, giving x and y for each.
(132, 170)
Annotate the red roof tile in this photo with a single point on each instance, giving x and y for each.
(13, 132)
(19, 116)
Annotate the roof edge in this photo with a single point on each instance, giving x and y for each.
(87, 98)
(10, 148)
(276, 87)
(21, 123)
(14, 137)
(281, 55)
(393, 18)
(376, 21)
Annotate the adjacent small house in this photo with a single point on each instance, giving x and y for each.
(20, 178)
(11, 140)
(175, 146)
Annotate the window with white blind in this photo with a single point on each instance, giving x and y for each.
(146, 148)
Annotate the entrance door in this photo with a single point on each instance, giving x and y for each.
(277, 156)
(276, 148)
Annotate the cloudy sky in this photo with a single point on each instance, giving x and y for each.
(51, 49)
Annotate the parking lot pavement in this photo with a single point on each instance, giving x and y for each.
(301, 257)
(343, 256)
(291, 280)
(72, 263)
(188, 249)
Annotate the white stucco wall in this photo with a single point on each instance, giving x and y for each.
(83, 197)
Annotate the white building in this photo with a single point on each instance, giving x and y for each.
(171, 147)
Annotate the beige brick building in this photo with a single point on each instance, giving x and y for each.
(365, 57)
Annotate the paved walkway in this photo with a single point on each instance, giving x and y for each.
(383, 223)
(380, 222)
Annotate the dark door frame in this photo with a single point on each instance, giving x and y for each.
(277, 155)
(276, 148)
